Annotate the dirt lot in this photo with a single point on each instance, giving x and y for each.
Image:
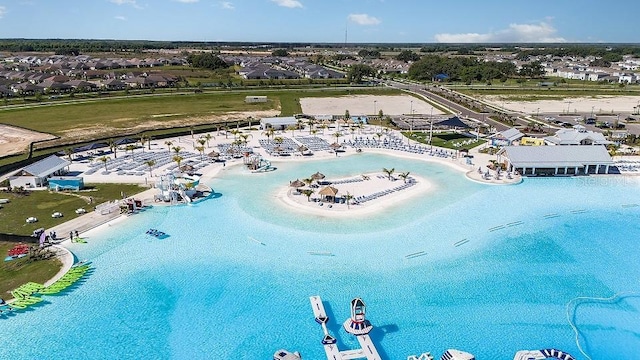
(364, 105)
(15, 140)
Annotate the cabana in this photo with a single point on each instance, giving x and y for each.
(328, 193)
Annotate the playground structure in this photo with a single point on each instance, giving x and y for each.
(180, 188)
(257, 163)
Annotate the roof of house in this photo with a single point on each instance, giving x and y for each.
(557, 156)
(46, 166)
(511, 134)
(576, 136)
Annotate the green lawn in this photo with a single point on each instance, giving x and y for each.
(21, 271)
(127, 113)
(446, 140)
(41, 204)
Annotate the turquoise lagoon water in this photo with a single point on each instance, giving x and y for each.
(212, 291)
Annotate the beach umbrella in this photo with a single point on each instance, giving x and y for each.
(318, 176)
(186, 168)
(214, 154)
(335, 146)
(297, 184)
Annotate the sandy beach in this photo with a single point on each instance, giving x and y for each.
(356, 186)
(367, 105)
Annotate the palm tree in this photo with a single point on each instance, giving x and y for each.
(313, 132)
(202, 141)
(191, 128)
(168, 143)
(269, 132)
(114, 148)
(348, 198)
(178, 159)
(404, 176)
(150, 164)
(379, 135)
(388, 172)
(347, 115)
(69, 151)
(235, 133)
(308, 181)
(292, 128)
(200, 149)
(177, 149)
(311, 123)
(104, 160)
(143, 140)
(130, 147)
(244, 137)
(308, 193)
(337, 135)
(208, 137)
(323, 127)
(278, 139)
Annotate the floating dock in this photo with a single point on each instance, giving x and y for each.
(367, 351)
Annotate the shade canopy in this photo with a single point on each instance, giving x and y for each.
(297, 184)
(453, 122)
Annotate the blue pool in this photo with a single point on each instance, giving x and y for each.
(233, 279)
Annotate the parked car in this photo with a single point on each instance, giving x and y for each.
(590, 121)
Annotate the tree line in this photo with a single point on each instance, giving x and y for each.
(207, 61)
(468, 69)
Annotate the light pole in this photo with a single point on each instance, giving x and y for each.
(538, 113)
(592, 111)
(568, 106)
(431, 131)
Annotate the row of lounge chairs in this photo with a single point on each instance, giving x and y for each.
(364, 198)
(287, 147)
(28, 294)
(313, 143)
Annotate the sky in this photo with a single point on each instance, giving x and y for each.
(325, 21)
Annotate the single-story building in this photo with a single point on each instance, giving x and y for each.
(38, 173)
(578, 135)
(556, 160)
(255, 99)
(507, 137)
(278, 123)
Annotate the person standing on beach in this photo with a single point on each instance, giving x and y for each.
(71, 236)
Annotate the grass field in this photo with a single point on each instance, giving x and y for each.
(21, 271)
(446, 140)
(41, 204)
(130, 112)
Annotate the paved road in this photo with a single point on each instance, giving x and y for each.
(459, 109)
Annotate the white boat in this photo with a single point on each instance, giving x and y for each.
(453, 354)
(283, 354)
(542, 355)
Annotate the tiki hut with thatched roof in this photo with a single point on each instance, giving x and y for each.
(318, 176)
(297, 184)
(328, 193)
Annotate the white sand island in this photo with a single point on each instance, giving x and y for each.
(355, 195)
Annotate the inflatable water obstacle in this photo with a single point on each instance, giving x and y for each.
(157, 233)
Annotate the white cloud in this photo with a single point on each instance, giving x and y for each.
(288, 3)
(127, 2)
(120, 17)
(188, 1)
(364, 19)
(227, 5)
(3, 11)
(542, 32)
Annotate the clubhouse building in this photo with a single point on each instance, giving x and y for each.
(556, 160)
